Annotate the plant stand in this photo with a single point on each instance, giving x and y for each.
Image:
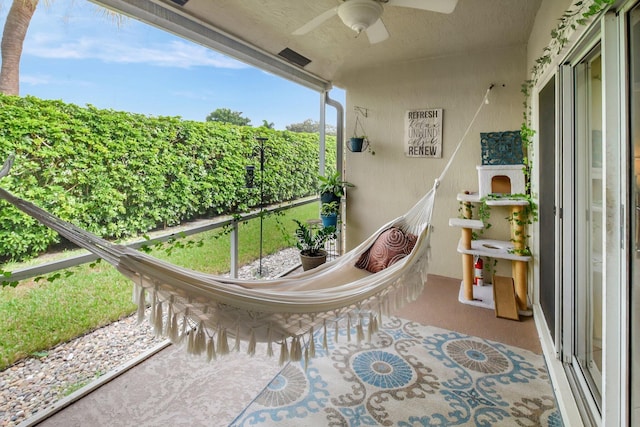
(332, 246)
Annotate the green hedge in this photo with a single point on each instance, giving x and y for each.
(119, 174)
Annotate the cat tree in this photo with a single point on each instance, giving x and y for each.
(500, 176)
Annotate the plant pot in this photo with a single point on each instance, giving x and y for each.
(355, 144)
(329, 197)
(329, 220)
(309, 262)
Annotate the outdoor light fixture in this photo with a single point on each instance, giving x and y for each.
(249, 176)
(360, 14)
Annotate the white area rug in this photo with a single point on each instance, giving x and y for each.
(409, 375)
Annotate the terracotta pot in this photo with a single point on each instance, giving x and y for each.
(309, 262)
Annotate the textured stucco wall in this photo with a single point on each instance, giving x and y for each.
(546, 20)
(388, 183)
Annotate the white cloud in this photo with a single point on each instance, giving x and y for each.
(44, 79)
(180, 54)
(35, 80)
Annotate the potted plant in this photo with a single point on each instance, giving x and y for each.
(329, 214)
(311, 244)
(331, 187)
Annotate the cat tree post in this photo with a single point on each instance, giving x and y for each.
(467, 264)
(467, 259)
(466, 225)
(519, 267)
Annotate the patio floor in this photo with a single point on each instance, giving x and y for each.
(173, 388)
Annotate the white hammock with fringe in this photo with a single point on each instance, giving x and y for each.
(205, 311)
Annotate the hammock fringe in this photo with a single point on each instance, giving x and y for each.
(311, 348)
(141, 304)
(201, 338)
(360, 330)
(236, 345)
(269, 341)
(211, 350)
(158, 320)
(251, 350)
(284, 353)
(325, 345)
(223, 344)
(182, 327)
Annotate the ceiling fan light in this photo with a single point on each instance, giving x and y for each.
(359, 14)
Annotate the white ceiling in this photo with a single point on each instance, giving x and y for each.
(265, 26)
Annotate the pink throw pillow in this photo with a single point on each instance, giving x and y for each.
(390, 247)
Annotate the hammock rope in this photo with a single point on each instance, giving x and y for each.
(205, 312)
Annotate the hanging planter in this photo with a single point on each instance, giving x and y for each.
(359, 142)
(329, 197)
(331, 187)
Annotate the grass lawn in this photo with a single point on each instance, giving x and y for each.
(36, 316)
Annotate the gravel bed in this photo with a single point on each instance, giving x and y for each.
(33, 384)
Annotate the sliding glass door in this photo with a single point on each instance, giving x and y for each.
(598, 86)
(633, 62)
(588, 225)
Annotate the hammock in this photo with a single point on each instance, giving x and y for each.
(205, 311)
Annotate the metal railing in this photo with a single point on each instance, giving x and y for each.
(195, 227)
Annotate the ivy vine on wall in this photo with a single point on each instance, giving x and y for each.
(579, 14)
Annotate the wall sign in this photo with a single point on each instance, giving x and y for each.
(423, 133)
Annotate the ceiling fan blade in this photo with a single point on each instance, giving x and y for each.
(377, 32)
(316, 22)
(441, 6)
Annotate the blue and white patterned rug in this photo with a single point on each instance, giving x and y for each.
(409, 375)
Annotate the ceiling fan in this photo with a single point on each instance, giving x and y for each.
(365, 15)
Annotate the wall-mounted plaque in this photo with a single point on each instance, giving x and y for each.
(423, 133)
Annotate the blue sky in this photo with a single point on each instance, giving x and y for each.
(75, 53)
